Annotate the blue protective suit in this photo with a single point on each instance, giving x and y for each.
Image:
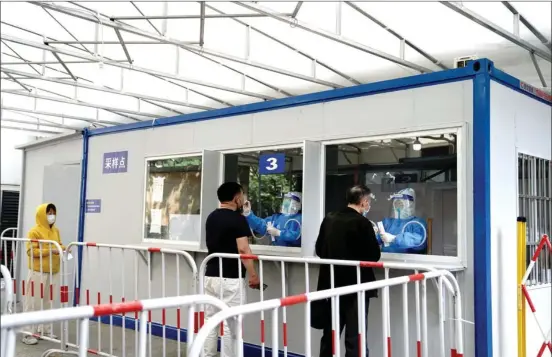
(290, 233)
(413, 240)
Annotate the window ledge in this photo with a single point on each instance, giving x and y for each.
(435, 261)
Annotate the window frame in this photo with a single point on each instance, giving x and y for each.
(266, 249)
(463, 223)
(186, 245)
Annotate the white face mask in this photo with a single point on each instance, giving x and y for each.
(51, 218)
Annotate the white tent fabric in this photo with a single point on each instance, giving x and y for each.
(64, 67)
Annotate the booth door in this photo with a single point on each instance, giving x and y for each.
(62, 188)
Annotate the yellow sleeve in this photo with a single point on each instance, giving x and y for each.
(58, 238)
(35, 249)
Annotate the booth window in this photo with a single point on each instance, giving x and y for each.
(535, 204)
(272, 181)
(173, 195)
(414, 183)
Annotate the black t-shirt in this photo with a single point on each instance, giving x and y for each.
(222, 228)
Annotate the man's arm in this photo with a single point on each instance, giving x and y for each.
(242, 242)
(320, 241)
(368, 248)
(243, 248)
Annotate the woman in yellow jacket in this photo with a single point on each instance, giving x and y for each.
(44, 265)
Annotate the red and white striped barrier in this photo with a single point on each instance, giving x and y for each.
(448, 281)
(544, 242)
(41, 290)
(11, 323)
(118, 273)
(273, 305)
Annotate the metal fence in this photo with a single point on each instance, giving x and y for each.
(535, 204)
(420, 341)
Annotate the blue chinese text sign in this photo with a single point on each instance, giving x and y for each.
(115, 162)
(93, 206)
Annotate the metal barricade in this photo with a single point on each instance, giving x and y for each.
(42, 289)
(6, 300)
(449, 282)
(83, 314)
(117, 273)
(334, 294)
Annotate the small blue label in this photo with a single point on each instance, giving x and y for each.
(93, 206)
(272, 164)
(115, 162)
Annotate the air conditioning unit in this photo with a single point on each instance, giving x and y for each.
(460, 62)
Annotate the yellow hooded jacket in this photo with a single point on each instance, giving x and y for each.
(43, 231)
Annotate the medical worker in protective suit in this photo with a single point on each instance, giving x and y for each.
(284, 227)
(403, 232)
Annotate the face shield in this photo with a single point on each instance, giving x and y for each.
(403, 204)
(291, 203)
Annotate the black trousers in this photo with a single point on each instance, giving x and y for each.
(348, 316)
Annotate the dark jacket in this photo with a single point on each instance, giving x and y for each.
(347, 235)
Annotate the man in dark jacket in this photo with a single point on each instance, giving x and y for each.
(345, 235)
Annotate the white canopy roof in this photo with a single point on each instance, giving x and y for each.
(76, 64)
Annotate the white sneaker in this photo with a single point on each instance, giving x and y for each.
(29, 340)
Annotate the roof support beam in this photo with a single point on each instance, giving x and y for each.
(295, 49)
(394, 33)
(41, 131)
(528, 24)
(332, 36)
(64, 66)
(104, 89)
(497, 29)
(40, 123)
(49, 62)
(537, 68)
(131, 67)
(202, 23)
(122, 42)
(95, 61)
(20, 84)
(297, 8)
(18, 56)
(112, 43)
(186, 17)
(127, 28)
(81, 103)
(59, 115)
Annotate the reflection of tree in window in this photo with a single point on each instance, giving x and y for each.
(181, 189)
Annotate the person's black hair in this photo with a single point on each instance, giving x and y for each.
(228, 190)
(356, 193)
(51, 206)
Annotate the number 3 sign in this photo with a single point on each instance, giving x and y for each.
(272, 164)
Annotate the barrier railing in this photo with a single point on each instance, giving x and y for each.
(6, 299)
(448, 281)
(239, 311)
(6, 250)
(118, 273)
(83, 314)
(44, 286)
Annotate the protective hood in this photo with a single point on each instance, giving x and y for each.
(41, 218)
(291, 203)
(403, 203)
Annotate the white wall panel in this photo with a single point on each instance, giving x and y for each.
(518, 124)
(11, 159)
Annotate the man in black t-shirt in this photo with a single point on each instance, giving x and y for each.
(227, 231)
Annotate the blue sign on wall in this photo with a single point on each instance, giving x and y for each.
(93, 206)
(272, 164)
(115, 162)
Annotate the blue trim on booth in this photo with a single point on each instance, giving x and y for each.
(171, 333)
(513, 83)
(421, 80)
(482, 211)
(82, 206)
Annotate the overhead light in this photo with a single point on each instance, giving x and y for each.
(417, 146)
